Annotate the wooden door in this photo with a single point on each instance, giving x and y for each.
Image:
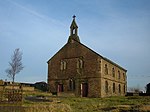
(84, 89)
(60, 88)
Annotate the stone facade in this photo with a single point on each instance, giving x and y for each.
(77, 69)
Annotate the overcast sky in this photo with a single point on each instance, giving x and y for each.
(116, 29)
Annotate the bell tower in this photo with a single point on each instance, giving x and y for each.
(74, 31)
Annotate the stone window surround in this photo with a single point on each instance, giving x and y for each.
(63, 65)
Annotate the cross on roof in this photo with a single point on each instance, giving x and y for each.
(74, 16)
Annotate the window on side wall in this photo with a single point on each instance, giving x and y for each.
(119, 88)
(106, 86)
(113, 72)
(99, 65)
(124, 76)
(124, 89)
(106, 69)
(114, 88)
(119, 74)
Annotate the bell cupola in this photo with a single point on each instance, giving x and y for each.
(74, 31)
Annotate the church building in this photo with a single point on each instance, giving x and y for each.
(78, 70)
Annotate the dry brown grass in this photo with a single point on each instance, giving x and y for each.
(76, 104)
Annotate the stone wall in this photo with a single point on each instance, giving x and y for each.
(110, 78)
(71, 53)
(94, 87)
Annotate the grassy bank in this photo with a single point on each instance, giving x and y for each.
(108, 104)
(76, 104)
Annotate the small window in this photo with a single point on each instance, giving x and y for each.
(99, 65)
(119, 88)
(106, 69)
(80, 63)
(106, 86)
(123, 76)
(113, 72)
(63, 65)
(114, 88)
(118, 74)
(72, 84)
(74, 31)
(124, 89)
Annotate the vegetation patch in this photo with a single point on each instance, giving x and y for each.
(46, 102)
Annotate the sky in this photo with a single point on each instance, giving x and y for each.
(116, 29)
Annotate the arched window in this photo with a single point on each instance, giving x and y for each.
(114, 88)
(80, 63)
(124, 89)
(106, 69)
(106, 86)
(119, 88)
(118, 74)
(99, 65)
(71, 84)
(63, 65)
(74, 31)
(123, 76)
(113, 72)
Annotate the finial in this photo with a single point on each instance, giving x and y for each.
(74, 16)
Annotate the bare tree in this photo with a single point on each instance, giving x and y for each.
(15, 65)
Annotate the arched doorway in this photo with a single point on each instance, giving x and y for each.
(84, 89)
(60, 88)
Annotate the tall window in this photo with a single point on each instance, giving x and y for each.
(74, 31)
(113, 72)
(113, 87)
(106, 69)
(99, 65)
(72, 84)
(118, 74)
(63, 65)
(123, 76)
(119, 88)
(124, 89)
(106, 86)
(80, 63)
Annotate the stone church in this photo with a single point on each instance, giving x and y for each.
(78, 70)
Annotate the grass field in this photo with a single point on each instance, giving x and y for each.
(113, 104)
(45, 102)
